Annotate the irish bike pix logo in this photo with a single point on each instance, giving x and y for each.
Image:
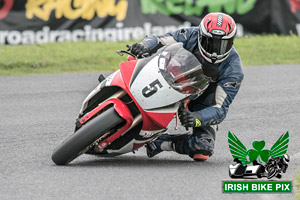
(257, 161)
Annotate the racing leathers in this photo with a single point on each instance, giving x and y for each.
(212, 106)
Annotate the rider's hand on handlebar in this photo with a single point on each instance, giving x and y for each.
(189, 119)
(139, 49)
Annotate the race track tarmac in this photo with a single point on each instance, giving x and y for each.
(38, 112)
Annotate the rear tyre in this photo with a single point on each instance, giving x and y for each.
(74, 146)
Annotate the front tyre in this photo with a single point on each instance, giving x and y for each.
(271, 173)
(72, 147)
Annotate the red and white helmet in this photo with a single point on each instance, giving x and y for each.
(216, 37)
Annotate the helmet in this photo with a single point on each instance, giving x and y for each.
(286, 158)
(216, 37)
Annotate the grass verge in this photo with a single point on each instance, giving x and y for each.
(269, 50)
(100, 56)
(297, 186)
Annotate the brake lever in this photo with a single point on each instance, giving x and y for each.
(121, 52)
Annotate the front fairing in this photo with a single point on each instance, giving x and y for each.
(151, 90)
(159, 83)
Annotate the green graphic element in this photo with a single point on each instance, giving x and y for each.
(198, 123)
(238, 150)
(196, 7)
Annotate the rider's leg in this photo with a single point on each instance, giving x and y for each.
(162, 143)
(198, 146)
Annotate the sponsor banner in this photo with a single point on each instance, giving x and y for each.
(257, 187)
(42, 21)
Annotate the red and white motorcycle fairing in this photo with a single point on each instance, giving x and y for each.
(145, 94)
(158, 109)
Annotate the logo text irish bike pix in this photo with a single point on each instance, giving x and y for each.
(258, 161)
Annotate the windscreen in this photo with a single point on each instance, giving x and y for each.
(182, 70)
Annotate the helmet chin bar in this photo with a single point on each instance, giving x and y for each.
(213, 58)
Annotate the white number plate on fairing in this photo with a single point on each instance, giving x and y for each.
(158, 91)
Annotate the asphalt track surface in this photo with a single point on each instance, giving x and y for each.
(38, 112)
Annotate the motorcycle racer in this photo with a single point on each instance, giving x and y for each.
(212, 43)
(275, 166)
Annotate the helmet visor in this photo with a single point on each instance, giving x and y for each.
(215, 45)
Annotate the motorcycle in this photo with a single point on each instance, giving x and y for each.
(276, 166)
(134, 105)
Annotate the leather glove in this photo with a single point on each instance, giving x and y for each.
(139, 49)
(189, 119)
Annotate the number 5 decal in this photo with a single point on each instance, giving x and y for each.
(151, 89)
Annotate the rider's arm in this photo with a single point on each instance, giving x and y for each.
(153, 43)
(227, 87)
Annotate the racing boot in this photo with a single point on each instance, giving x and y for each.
(204, 145)
(198, 146)
(162, 143)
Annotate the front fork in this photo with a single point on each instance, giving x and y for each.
(122, 110)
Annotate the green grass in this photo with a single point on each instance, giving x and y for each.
(269, 50)
(100, 56)
(297, 186)
(60, 58)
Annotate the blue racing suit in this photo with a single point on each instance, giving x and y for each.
(213, 104)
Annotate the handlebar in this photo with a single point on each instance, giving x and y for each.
(121, 52)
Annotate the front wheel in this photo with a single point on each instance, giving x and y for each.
(75, 145)
(271, 173)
